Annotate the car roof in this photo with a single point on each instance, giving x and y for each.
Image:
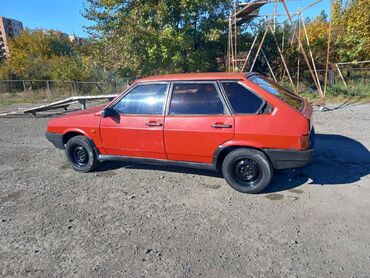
(196, 76)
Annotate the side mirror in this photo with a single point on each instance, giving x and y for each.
(108, 112)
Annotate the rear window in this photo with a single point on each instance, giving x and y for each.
(270, 86)
(241, 99)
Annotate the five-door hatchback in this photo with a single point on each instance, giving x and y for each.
(244, 125)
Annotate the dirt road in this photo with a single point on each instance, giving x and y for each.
(148, 221)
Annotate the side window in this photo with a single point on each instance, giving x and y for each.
(195, 99)
(241, 99)
(143, 99)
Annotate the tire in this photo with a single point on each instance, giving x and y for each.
(81, 155)
(247, 170)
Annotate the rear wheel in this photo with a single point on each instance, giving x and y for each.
(247, 170)
(81, 155)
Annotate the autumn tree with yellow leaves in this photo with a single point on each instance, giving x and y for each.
(350, 32)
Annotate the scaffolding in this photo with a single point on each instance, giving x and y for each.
(245, 13)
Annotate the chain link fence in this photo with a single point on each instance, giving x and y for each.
(347, 74)
(345, 80)
(55, 88)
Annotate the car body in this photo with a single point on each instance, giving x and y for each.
(194, 120)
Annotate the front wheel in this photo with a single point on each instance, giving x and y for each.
(81, 155)
(247, 170)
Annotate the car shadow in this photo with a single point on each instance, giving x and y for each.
(337, 160)
(111, 165)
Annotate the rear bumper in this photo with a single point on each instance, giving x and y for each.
(284, 159)
(56, 139)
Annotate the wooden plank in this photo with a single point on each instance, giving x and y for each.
(328, 50)
(50, 105)
(69, 100)
(302, 48)
(246, 19)
(249, 8)
(283, 59)
(57, 104)
(354, 62)
(341, 76)
(311, 55)
(268, 64)
(249, 53)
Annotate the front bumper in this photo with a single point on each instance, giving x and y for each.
(285, 159)
(56, 139)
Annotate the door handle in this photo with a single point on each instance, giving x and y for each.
(221, 125)
(153, 124)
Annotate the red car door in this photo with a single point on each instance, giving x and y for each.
(136, 127)
(197, 122)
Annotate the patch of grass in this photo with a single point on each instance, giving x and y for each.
(358, 90)
(56, 93)
(338, 93)
(29, 97)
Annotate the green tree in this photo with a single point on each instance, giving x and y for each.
(154, 37)
(351, 30)
(32, 54)
(317, 31)
(47, 55)
(73, 68)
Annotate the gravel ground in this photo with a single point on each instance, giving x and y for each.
(133, 220)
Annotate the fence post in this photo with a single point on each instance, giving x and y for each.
(24, 86)
(48, 88)
(75, 87)
(331, 77)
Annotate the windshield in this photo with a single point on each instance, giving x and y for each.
(270, 86)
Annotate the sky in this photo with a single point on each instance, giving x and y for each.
(295, 5)
(61, 15)
(65, 15)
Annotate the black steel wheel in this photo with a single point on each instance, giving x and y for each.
(81, 154)
(247, 170)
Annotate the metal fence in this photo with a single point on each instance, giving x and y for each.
(348, 74)
(58, 87)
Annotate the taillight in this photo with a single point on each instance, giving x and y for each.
(305, 142)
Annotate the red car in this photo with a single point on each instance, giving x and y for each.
(242, 124)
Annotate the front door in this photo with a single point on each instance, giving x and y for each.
(136, 129)
(197, 122)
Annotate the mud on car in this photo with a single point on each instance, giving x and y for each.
(243, 125)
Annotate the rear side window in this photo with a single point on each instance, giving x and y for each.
(270, 86)
(195, 99)
(146, 99)
(241, 99)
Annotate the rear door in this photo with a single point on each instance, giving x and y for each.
(197, 122)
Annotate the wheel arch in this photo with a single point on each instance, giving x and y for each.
(70, 134)
(223, 151)
(73, 133)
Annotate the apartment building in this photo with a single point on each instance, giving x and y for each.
(75, 39)
(9, 28)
